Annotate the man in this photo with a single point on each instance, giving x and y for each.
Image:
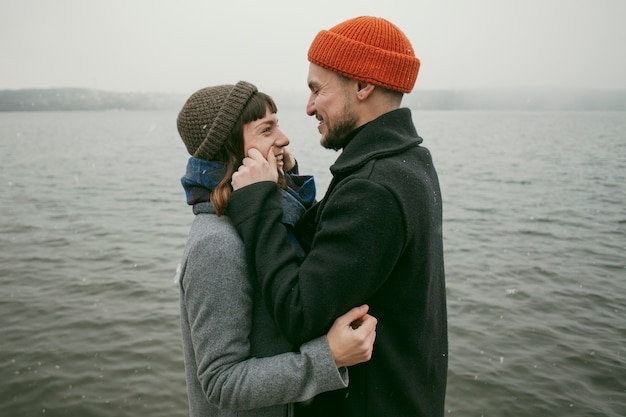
(376, 236)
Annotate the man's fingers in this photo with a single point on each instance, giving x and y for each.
(271, 159)
(254, 168)
(255, 154)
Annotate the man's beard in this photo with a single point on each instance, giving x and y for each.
(337, 135)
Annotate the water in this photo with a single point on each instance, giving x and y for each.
(93, 223)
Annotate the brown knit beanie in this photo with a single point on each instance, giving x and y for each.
(369, 49)
(209, 115)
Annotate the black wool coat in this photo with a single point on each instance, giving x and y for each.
(375, 238)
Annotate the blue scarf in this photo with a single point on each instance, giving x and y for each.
(202, 177)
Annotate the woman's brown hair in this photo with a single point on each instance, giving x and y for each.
(231, 152)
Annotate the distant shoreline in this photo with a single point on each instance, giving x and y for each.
(81, 99)
(73, 99)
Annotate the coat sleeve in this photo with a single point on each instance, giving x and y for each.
(218, 303)
(356, 245)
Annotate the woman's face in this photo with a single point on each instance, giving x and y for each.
(263, 134)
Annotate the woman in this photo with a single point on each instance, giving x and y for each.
(235, 358)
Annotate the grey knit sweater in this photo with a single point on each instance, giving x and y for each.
(236, 362)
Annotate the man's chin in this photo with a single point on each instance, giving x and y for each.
(326, 141)
(331, 143)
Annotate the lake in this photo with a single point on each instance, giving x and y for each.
(93, 222)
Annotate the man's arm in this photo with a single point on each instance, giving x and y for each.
(352, 254)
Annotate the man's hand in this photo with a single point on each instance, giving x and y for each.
(255, 168)
(351, 338)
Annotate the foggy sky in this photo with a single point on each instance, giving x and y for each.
(183, 45)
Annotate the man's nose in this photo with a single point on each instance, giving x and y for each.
(310, 106)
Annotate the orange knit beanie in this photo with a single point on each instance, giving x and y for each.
(369, 49)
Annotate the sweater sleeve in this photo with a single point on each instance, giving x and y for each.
(217, 295)
(356, 245)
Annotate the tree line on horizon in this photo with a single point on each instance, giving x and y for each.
(71, 99)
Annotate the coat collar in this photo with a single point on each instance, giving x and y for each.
(386, 135)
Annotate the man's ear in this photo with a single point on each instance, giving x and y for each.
(364, 89)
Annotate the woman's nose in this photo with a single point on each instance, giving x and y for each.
(281, 139)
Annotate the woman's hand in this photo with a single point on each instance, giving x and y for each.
(288, 160)
(351, 338)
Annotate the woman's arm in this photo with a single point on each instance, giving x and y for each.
(218, 296)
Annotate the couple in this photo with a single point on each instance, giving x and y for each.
(277, 289)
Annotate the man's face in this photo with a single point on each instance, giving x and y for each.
(331, 102)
